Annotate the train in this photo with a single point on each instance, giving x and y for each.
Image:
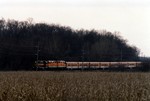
(71, 65)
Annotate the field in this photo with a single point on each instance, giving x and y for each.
(74, 86)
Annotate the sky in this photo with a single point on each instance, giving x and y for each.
(131, 18)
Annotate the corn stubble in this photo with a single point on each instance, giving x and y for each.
(74, 86)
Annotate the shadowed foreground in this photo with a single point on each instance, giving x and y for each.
(74, 86)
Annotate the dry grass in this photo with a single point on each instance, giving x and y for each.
(74, 86)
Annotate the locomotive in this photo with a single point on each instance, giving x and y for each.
(51, 64)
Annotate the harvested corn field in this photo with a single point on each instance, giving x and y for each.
(74, 86)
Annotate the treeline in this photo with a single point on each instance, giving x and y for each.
(23, 42)
(145, 64)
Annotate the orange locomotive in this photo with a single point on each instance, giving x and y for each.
(56, 64)
(50, 64)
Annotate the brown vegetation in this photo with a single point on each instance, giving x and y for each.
(74, 86)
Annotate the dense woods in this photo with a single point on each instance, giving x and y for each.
(22, 41)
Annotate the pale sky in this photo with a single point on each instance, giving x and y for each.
(129, 17)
